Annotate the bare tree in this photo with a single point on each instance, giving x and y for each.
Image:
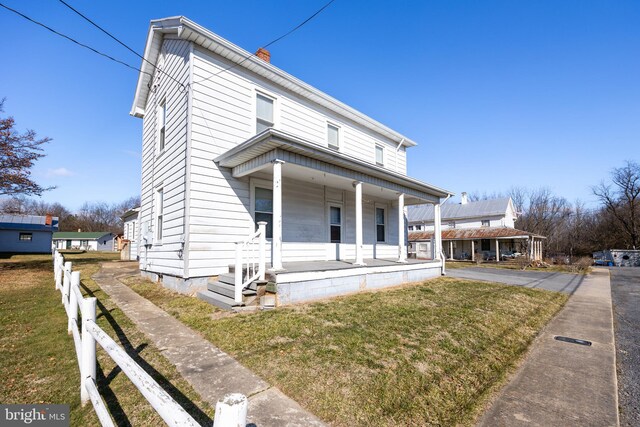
(621, 198)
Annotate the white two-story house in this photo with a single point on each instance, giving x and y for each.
(469, 229)
(230, 140)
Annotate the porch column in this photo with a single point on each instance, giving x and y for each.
(402, 254)
(276, 241)
(437, 232)
(531, 242)
(497, 250)
(450, 249)
(359, 255)
(473, 250)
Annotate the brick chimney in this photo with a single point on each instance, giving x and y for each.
(48, 220)
(264, 54)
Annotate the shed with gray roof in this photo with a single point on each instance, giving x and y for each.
(27, 233)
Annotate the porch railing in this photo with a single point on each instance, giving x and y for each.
(250, 260)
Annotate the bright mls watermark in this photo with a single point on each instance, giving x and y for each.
(34, 415)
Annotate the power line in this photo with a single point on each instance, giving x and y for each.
(297, 27)
(73, 40)
(119, 41)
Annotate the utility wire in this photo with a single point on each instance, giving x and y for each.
(119, 41)
(73, 40)
(271, 42)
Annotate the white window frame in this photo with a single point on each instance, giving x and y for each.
(162, 127)
(451, 224)
(485, 222)
(339, 136)
(30, 239)
(375, 154)
(342, 221)
(276, 115)
(386, 222)
(253, 183)
(158, 217)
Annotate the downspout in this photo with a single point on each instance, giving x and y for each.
(396, 152)
(441, 254)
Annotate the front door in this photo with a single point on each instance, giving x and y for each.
(68, 244)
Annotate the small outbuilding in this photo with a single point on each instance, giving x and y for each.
(131, 235)
(86, 241)
(27, 233)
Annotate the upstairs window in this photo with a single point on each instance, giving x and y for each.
(263, 208)
(452, 224)
(333, 136)
(379, 155)
(380, 225)
(264, 112)
(162, 125)
(486, 223)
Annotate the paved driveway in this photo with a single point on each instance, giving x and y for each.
(625, 293)
(560, 282)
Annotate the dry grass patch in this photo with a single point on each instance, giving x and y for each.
(37, 357)
(428, 354)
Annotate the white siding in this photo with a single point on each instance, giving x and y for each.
(166, 170)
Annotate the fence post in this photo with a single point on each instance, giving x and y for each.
(58, 271)
(88, 362)
(262, 228)
(73, 301)
(65, 283)
(231, 411)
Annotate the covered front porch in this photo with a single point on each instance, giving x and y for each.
(329, 224)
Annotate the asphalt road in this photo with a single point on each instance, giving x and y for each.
(559, 282)
(625, 294)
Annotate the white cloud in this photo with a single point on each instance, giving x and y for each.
(59, 172)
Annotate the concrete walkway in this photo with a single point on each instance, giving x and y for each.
(211, 372)
(563, 383)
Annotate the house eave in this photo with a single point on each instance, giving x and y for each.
(272, 139)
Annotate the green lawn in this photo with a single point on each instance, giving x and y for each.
(426, 354)
(37, 357)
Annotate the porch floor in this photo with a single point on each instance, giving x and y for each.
(305, 266)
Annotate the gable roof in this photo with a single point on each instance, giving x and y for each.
(27, 222)
(186, 29)
(479, 209)
(82, 235)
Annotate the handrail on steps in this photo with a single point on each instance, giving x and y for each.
(250, 267)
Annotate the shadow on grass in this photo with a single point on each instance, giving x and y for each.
(104, 380)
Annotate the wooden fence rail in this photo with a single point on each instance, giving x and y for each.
(89, 334)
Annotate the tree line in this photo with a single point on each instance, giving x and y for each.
(572, 228)
(92, 216)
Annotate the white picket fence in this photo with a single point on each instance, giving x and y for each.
(230, 411)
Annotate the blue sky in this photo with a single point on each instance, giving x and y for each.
(496, 93)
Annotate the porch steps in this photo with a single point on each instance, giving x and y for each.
(221, 293)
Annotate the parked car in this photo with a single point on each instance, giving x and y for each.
(509, 255)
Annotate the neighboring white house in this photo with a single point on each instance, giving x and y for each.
(131, 236)
(483, 226)
(230, 140)
(86, 241)
(26, 233)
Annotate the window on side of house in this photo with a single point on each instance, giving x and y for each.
(486, 223)
(411, 228)
(379, 155)
(25, 237)
(263, 208)
(335, 224)
(452, 224)
(264, 112)
(380, 225)
(84, 243)
(162, 125)
(159, 213)
(333, 136)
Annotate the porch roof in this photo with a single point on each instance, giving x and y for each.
(475, 233)
(271, 144)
